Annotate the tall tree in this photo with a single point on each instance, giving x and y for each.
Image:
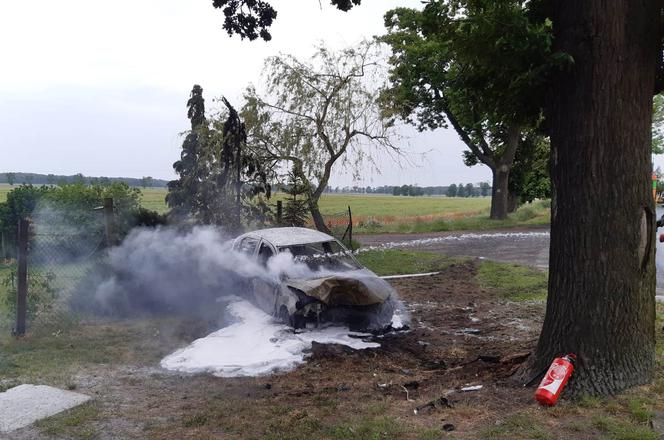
(192, 166)
(480, 66)
(319, 113)
(295, 211)
(11, 178)
(452, 190)
(601, 303)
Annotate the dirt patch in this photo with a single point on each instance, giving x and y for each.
(461, 335)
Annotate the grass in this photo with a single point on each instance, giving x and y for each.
(75, 423)
(398, 262)
(513, 282)
(385, 213)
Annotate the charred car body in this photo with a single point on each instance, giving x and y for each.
(335, 288)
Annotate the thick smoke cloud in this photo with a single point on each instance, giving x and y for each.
(189, 273)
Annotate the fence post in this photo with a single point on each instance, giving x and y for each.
(22, 287)
(280, 212)
(110, 221)
(350, 229)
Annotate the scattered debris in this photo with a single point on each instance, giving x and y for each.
(408, 399)
(471, 388)
(657, 422)
(406, 372)
(423, 343)
(440, 402)
(412, 275)
(412, 385)
(448, 427)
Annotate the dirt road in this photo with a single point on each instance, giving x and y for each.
(523, 246)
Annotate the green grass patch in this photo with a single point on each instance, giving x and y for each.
(617, 429)
(512, 281)
(518, 426)
(379, 428)
(399, 262)
(75, 423)
(55, 356)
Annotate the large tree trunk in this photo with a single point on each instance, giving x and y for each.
(500, 192)
(601, 303)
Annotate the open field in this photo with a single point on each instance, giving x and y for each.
(374, 214)
(466, 330)
(384, 213)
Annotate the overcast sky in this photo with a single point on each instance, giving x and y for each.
(100, 87)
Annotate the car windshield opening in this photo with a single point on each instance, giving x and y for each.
(328, 255)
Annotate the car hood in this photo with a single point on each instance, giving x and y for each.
(355, 288)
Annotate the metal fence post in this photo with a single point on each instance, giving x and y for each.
(280, 212)
(350, 229)
(109, 221)
(22, 288)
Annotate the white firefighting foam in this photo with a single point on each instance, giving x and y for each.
(255, 345)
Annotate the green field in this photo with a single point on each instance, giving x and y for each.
(386, 213)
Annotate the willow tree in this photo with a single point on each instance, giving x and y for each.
(318, 114)
(479, 66)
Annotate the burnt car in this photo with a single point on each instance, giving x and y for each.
(334, 287)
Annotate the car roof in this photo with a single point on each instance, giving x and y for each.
(280, 237)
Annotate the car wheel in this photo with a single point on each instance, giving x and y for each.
(295, 321)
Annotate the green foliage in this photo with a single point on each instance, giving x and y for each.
(481, 66)
(11, 178)
(214, 167)
(529, 177)
(452, 190)
(42, 293)
(658, 124)
(252, 19)
(72, 205)
(295, 210)
(317, 113)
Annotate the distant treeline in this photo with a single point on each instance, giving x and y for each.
(58, 179)
(454, 190)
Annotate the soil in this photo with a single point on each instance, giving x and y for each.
(460, 335)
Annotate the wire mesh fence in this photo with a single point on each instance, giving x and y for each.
(59, 255)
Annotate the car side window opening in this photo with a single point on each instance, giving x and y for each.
(248, 245)
(264, 254)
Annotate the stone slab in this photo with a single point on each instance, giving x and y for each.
(23, 405)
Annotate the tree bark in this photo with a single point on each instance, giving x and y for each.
(500, 192)
(512, 202)
(317, 217)
(601, 303)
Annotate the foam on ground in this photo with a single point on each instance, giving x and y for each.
(255, 345)
(25, 404)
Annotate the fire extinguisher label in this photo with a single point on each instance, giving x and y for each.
(554, 376)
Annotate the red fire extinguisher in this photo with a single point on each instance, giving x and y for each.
(555, 379)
